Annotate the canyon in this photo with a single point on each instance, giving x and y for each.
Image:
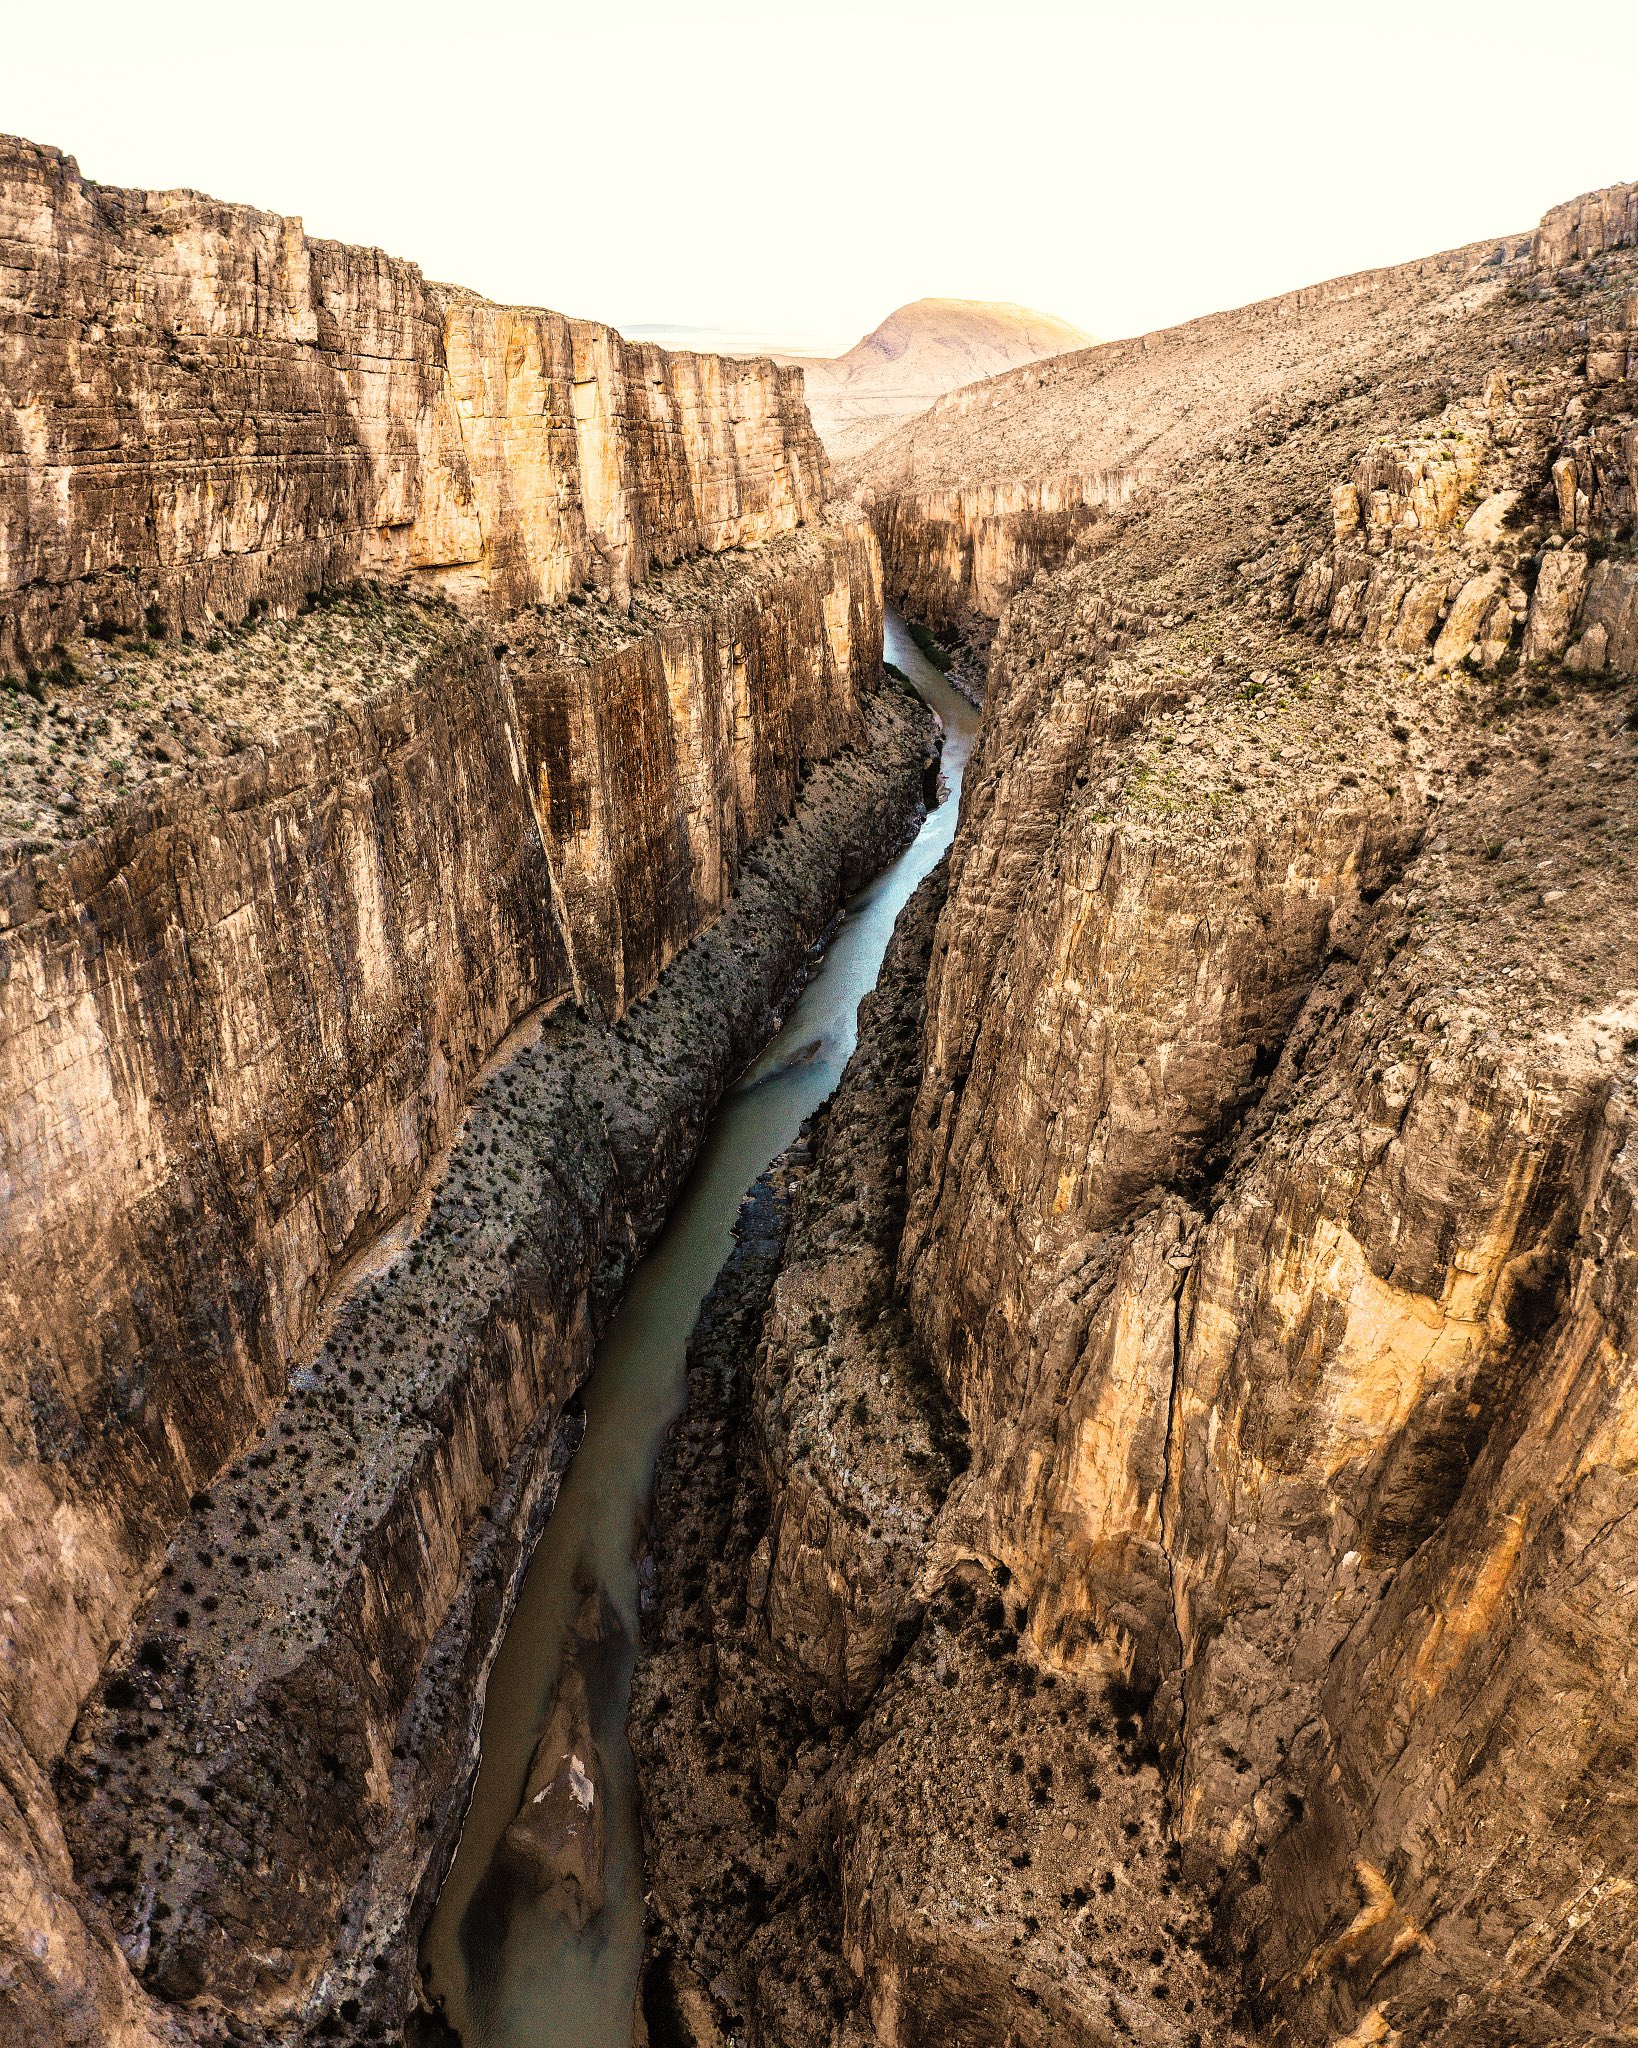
(437, 735)
(1148, 1552)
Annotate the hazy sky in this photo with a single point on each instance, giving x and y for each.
(797, 170)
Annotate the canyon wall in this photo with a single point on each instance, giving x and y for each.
(401, 675)
(243, 1012)
(1173, 1542)
(953, 558)
(201, 408)
(264, 1792)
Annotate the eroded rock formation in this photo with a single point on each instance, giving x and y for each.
(956, 556)
(557, 1843)
(1176, 1535)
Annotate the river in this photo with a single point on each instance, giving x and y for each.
(511, 1970)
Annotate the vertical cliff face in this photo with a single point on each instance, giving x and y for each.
(1261, 1315)
(953, 558)
(668, 740)
(314, 798)
(304, 1678)
(202, 408)
(1261, 1233)
(244, 1011)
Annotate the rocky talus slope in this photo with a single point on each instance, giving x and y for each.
(434, 735)
(1175, 1498)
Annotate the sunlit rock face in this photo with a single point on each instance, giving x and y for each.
(1226, 1505)
(393, 674)
(203, 408)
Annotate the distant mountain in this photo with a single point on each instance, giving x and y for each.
(915, 356)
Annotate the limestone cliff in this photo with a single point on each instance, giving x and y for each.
(1175, 1542)
(957, 555)
(301, 1685)
(200, 408)
(391, 677)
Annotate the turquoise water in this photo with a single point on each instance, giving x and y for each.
(511, 1971)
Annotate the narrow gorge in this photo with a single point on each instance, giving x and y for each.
(440, 736)
(1142, 1542)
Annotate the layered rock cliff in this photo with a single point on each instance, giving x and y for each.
(955, 556)
(200, 408)
(302, 1686)
(1176, 1536)
(322, 808)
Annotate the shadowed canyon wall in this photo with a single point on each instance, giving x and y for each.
(956, 556)
(395, 678)
(1172, 1549)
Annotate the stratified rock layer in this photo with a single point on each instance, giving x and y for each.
(954, 557)
(200, 407)
(1267, 1240)
(243, 1012)
(204, 1136)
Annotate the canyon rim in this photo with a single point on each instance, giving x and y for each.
(1149, 1551)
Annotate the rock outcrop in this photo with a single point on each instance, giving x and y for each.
(436, 734)
(1175, 1537)
(556, 1844)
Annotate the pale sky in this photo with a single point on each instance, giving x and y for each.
(793, 172)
